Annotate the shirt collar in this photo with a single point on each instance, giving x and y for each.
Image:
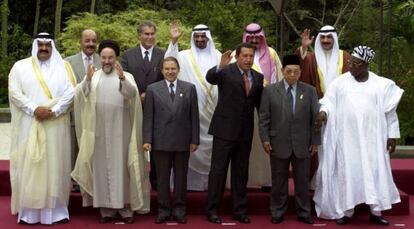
(149, 50)
(241, 71)
(174, 82)
(285, 83)
(84, 56)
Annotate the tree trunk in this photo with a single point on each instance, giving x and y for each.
(58, 20)
(93, 6)
(4, 25)
(36, 22)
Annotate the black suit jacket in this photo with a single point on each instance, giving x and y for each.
(133, 62)
(234, 115)
(171, 125)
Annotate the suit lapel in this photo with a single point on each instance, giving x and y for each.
(299, 96)
(139, 59)
(164, 93)
(179, 92)
(80, 67)
(237, 76)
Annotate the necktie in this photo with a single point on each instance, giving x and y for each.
(146, 60)
(290, 98)
(88, 61)
(246, 83)
(172, 94)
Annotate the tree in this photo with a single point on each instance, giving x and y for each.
(36, 22)
(4, 26)
(93, 6)
(58, 20)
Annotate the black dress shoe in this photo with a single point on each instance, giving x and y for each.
(214, 219)
(180, 219)
(128, 220)
(344, 220)
(105, 219)
(162, 219)
(277, 220)
(307, 220)
(241, 218)
(378, 220)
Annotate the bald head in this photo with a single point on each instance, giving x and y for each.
(88, 42)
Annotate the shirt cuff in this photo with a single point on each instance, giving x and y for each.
(324, 109)
(31, 108)
(56, 110)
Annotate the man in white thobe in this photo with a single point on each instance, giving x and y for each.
(194, 63)
(359, 109)
(40, 93)
(110, 168)
(321, 67)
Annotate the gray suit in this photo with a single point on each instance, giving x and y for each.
(78, 65)
(290, 137)
(171, 126)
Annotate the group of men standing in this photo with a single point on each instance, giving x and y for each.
(194, 111)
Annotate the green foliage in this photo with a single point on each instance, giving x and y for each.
(121, 27)
(227, 19)
(19, 45)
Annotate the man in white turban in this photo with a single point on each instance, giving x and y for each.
(194, 64)
(359, 109)
(41, 90)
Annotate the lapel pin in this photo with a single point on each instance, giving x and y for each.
(301, 96)
(181, 94)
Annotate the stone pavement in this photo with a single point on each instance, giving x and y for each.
(4, 140)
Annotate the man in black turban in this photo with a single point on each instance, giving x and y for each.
(287, 112)
(108, 115)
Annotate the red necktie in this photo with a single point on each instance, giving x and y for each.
(246, 83)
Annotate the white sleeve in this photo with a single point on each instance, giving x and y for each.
(393, 126)
(172, 50)
(66, 100)
(127, 89)
(16, 95)
(303, 52)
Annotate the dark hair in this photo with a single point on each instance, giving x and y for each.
(290, 60)
(243, 45)
(146, 23)
(109, 44)
(170, 58)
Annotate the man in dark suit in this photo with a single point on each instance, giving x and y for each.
(171, 130)
(287, 112)
(143, 62)
(240, 88)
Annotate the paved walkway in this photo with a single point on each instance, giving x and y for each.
(4, 140)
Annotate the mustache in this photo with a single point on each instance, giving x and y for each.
(91, 46)
(43, 51)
